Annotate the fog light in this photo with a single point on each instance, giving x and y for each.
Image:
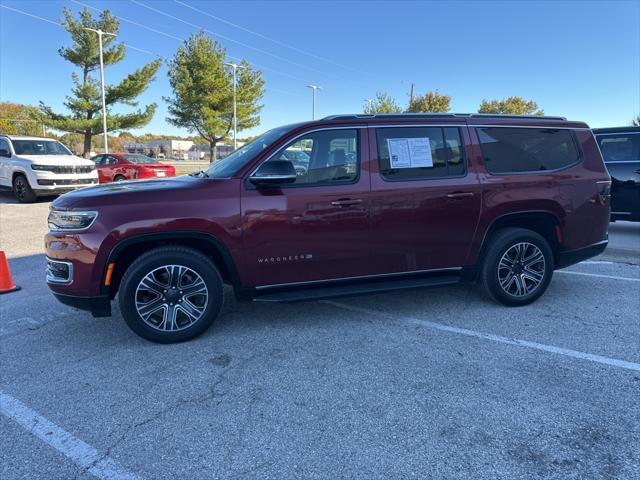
(59, 271)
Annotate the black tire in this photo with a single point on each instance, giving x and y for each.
(510, 282)
(158, 263)
(22, 190)
(119, 178)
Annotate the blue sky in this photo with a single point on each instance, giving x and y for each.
(579, 59)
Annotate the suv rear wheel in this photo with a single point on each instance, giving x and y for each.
(170, 294)
(22, 190)
(517, 266)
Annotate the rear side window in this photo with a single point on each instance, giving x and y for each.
(518, 150)
(620, 147)
(420, 153)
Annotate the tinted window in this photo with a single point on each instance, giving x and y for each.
(621, 147)
(446, 157)
(39, 147)
(514, 150)
(140, 159)
(4, 145)
(324, 157)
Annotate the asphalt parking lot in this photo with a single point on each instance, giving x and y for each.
(435, 383)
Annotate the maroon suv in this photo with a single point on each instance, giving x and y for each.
(383, 202)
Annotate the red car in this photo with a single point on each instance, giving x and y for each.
(384, 202)
(115, 167)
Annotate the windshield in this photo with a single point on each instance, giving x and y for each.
(39, 147)
(229, 165)
(140, 159)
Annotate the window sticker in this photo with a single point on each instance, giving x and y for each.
(410, 152)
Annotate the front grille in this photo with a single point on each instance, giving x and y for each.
(74, 169)
(62, 182)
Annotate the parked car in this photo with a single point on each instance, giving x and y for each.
(387, 202)
(115, 167)
(620, 149)
(35, 166)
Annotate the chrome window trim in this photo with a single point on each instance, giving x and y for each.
(551, 127)
(619, 134)
(53, 279)
(620, 162)
(292, 140)
(361, 277)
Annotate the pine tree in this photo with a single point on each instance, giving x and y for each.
(85, 101)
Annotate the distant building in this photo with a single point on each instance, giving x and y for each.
(202, 152)
(161, 148)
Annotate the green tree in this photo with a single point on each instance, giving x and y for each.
(430, 102)
(510, 106)
(383, 103)
(85, 102)
(202, 98)
(19, 119)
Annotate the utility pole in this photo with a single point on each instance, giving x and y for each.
(411, 96)
(235, 67)
(313, 110)
(104, 106)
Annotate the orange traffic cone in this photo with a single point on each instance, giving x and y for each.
(6, 284)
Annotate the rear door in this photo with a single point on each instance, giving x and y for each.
(621, 153)
(318, 227)
(425, 201)
(5, 163)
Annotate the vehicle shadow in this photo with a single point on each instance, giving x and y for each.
(6, 197)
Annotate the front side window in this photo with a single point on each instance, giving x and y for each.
(39, 147)
(623, 147)
(519, 150)
(323, 158)
(420, 153)
(4, 145)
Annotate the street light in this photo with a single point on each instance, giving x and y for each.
(104, 106)
(313, 111)
(235, 66)
(370, 102)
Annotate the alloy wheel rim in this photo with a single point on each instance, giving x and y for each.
(20, 188)
(171, 298)
(521, 269)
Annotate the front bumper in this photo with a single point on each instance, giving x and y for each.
(98, 306)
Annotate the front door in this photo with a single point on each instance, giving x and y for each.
(425, 202)
(318, 227)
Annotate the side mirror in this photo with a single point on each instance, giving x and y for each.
(274, 172)
(5, 153)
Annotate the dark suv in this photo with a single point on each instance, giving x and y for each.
(620, 149)
(384, 202)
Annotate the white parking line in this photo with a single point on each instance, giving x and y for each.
(614, 362)
(73, 448)
(598, 275)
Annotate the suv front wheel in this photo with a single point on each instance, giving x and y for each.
(22, 190)
(170, 294)
(517, 266)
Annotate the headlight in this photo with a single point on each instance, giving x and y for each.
(61, 221)
(44, 168)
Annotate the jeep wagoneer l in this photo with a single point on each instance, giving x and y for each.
(382, 202)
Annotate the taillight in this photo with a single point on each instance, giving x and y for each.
(604, 191)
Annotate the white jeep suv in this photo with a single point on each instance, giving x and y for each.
(33, 166)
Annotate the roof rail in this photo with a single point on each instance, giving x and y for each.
(438, 115)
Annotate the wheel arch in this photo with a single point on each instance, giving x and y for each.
(542, 222)
(127, 250)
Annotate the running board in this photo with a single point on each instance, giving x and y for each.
(348, 290)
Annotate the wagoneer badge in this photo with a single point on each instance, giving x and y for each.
(286, 258)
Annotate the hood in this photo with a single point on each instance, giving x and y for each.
(130, 192)
(56, 160)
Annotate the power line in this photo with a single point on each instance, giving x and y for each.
(22, 12)
(278, 42)
(229, 39)
(183, 40)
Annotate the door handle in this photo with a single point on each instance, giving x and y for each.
(345, 202)
(457, 195)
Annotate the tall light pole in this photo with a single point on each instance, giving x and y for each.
(104, 106)
(235, 67)
(313, 111)
(370, 102)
